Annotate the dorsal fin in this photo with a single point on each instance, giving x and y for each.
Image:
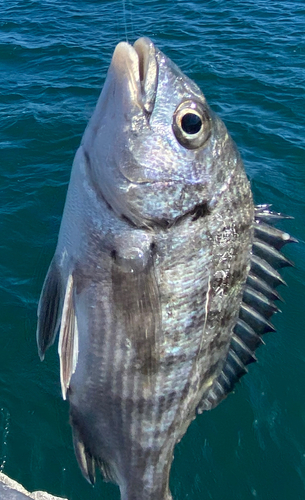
(257, 304)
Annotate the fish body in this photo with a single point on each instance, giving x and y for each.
(149, 275)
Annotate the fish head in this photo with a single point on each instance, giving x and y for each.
(155, 148)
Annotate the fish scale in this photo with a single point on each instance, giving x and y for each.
(163, 277)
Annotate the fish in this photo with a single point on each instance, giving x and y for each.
(164, 277)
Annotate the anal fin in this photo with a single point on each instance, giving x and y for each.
(85, 460)
(68, 339)
(107, 471)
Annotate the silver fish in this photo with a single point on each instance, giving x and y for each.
(164, 275)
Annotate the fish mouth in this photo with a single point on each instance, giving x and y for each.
(136, 68)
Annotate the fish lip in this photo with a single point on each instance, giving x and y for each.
(148, 71)
(136, 67)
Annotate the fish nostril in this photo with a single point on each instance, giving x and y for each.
(200, 210)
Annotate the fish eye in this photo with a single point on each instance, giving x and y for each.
(191, 124)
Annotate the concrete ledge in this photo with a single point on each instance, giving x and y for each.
(11, 490)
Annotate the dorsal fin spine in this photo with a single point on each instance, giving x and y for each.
(257, 304)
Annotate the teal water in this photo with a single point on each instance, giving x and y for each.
(249, 59)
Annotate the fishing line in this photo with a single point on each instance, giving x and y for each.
(124, 18)
(126, 22)
(131, 20)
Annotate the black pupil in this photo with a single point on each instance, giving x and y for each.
(191, 123)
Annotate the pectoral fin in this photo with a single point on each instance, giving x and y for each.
(49, 310)
(68, 339)
(136, 298)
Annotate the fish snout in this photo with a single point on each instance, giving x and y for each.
(135, 69)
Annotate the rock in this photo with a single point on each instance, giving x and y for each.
(11, 490)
